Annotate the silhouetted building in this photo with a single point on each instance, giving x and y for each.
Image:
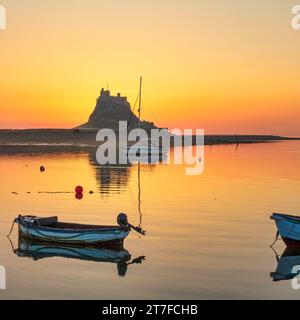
(110, 110)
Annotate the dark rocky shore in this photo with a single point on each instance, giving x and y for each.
(86, 138)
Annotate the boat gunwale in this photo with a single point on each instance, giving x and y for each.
(283, 215)
(94, 228)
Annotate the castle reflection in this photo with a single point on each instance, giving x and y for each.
(113, 178)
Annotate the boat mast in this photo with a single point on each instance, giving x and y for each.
(140, 102)
(139, 164)
(139, 194)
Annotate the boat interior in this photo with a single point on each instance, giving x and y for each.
(52, 222)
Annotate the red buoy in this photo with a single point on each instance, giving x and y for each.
(79, 190)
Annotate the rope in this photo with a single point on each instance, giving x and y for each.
(277, 236)
(277, 255)
(12, 246)
(132, 113)
(11, 229)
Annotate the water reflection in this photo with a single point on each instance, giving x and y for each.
(116, 177)
(217, 210)
(109, 178)
(43, 250)
(285, 263)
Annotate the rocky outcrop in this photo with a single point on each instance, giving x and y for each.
(110, 110)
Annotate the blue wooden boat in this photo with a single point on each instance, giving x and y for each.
(288, 227)
(49, 229)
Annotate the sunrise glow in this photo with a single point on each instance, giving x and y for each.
(225, 67)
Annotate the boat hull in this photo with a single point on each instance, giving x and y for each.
(291, 243)
(289, 229)
(82, 237)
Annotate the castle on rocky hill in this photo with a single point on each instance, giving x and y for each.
(110, 110)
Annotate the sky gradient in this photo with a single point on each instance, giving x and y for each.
(228, 66)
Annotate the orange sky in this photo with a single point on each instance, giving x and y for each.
(225, 66)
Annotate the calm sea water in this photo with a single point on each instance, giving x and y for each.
(207, 237)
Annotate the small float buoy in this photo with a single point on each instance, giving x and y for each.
(78, 190)
(91, 192)
(42, 169)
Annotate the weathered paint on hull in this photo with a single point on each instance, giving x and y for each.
(92, 237)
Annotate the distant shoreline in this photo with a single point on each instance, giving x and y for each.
(87, 136)
(81, 139)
